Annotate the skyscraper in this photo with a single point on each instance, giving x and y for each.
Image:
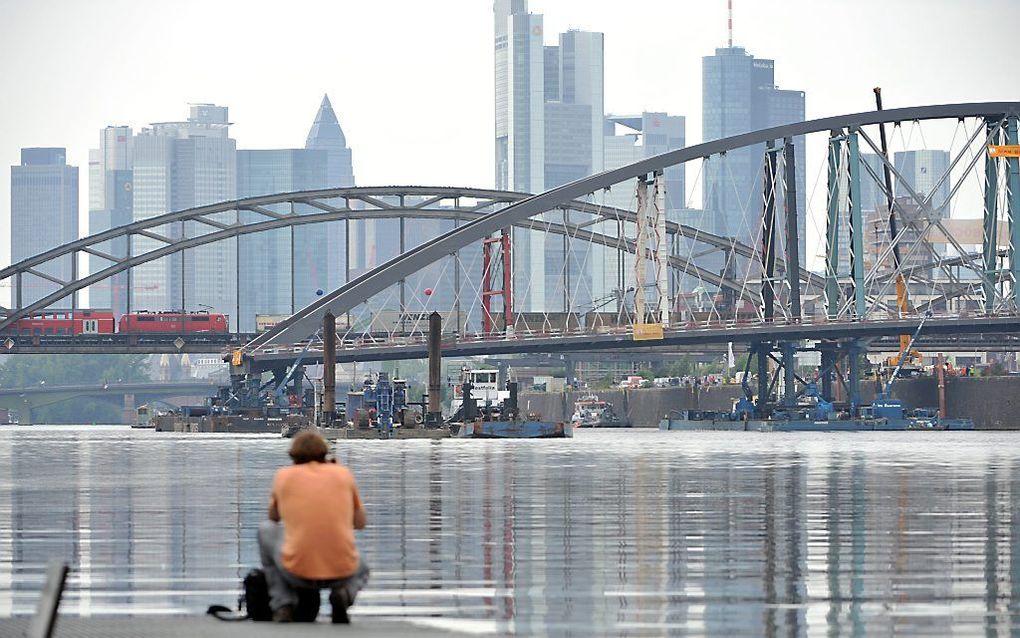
(922, 170)
(180, 165)
(280, 270)
(582, 82)
(520, 97)
(44, 215)
(110, 204)
(739, 95)
(327, 135)
(549, 121)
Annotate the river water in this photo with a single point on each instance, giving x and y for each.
(611, 533)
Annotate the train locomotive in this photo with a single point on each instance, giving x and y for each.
(101, 322)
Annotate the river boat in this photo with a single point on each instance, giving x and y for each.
(592, 412)
(144, 418)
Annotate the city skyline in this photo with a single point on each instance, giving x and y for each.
(466, 145)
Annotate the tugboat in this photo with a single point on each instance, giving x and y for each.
(484, 388)
(502, 420)
(591, 412)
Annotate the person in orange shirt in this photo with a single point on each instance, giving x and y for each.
(308, 541)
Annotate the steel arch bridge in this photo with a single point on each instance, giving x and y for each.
(860, 295)
(450, 204)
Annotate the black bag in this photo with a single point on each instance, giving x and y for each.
(252, 604)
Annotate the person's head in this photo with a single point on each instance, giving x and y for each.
(309, 446)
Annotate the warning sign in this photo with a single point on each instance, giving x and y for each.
(647, 331)
(1011, 150)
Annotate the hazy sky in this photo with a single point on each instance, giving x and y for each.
(411, 81)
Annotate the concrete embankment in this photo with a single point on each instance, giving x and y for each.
(992, 402)
(643, 407)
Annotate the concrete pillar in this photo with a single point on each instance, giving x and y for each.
(789, 373)
(828, 361)
(130, 410)
(854, 381)
(761, 351)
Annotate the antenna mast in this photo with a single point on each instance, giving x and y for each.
(730, 22)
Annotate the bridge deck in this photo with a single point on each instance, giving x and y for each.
(737, 334)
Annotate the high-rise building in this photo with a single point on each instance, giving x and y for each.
(110, 204)
(180, 165)
(520, 97)
(327, 135)
(739, 95)
(923, 170)
(549, 131)
(582, 82)
(44, 215)
(280, 270)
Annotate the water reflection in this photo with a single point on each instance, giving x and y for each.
(638, 533)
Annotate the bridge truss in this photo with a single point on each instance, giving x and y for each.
(852, 209)
(411, 213)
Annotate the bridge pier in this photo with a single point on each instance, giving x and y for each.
(761, 353)
(789, 351)
(830, 356)
(854, 352)
(130, 409)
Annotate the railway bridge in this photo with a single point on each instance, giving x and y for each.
(602, 263)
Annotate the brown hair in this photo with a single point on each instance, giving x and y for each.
(309, 446)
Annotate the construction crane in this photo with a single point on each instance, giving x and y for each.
(906, 354)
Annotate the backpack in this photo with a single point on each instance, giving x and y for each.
(252, 604)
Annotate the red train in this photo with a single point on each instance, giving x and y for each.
(89, 322)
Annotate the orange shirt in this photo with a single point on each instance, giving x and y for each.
(316, 502)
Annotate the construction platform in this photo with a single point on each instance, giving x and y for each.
(209, 627)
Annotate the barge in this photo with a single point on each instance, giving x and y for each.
(501, 420)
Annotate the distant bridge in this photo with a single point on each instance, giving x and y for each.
(126, 395)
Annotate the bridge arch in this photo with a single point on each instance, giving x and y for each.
(359, 203)
(343, 299)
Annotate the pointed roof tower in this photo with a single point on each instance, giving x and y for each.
(326, 132)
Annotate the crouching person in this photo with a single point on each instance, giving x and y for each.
(308, 541)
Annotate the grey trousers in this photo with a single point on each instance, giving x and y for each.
(283, 585)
